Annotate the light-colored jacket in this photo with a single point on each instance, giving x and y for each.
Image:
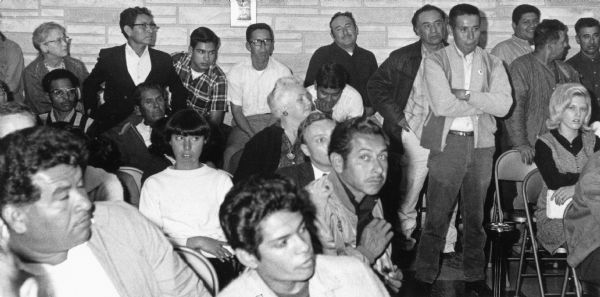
(334, 277)
(337, 221)
(137, 257)
(490, 95)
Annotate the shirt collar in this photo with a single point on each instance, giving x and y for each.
(318, 172)
(523, 42)
(130, 52)
(469, 57)
(67, 118)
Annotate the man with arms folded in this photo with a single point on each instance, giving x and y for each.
(465, 88)
(105, 250)
(270, 224)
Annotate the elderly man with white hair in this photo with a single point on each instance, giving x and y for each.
(278, 145)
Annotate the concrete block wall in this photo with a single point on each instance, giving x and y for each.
(301, 26)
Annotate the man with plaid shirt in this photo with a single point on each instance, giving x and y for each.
(205, 81)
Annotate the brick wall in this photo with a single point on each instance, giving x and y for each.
(300, 26)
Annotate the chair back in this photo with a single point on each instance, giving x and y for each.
(135, 173)
(509, 167)
(532, 187)
(201, 266)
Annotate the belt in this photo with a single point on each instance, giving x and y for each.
(461, 133)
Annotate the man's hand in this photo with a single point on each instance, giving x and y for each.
(461, 94)
(561, 195)
(527, 153)
(376, 236)
(393, 278)
(209, 245)
(404, 124)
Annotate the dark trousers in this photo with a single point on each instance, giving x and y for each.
(460, 167)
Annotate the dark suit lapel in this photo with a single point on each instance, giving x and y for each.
(307, 173)
(153, 68)
(122, 64)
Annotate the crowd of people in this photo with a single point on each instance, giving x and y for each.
(287, 200)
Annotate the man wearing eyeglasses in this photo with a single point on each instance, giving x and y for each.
(62, 88)
(359, 62)
(123, 67)
(250, 82)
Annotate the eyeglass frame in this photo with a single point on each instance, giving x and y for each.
(261, 42)
(66, 39)
(64, 91)
(146, 26)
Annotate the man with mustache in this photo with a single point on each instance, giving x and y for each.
(249, 84)
(105, 249)
(533, 78)
(587, 61)
(349, 213)
(62, 87)
(358, 62)
(269, 222)
(465, 87)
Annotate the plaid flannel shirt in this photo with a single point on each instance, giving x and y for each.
(206, 93)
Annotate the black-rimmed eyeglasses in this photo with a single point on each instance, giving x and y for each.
(65, 39)
(146, 26)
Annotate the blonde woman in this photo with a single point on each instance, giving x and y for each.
(561, 154)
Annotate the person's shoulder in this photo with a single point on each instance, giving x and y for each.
(351, 92)
(11, 45)
(247, 284)
(218, 173)
(107, 51)
(33, 65)
(365, 52)
(407, 50)
(332, 263)
(114, 213)
(502, 45)
(323, 50)
(279, 66)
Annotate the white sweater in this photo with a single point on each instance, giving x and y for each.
(185, 203)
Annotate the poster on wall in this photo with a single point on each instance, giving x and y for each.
(243, 12)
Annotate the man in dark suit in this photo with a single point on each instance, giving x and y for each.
(123, 67)
(314, 133)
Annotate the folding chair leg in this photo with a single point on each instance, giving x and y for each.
(538, 269)
(578, 289)
(563, 293)
(520, 271)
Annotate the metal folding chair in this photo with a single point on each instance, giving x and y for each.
(532, 188)
(201, 266)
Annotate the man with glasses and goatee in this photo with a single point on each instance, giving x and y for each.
(250, 82)
(123, 67)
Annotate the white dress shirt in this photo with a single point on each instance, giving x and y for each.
(464, 123)
(138, 66)
(81, 274)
